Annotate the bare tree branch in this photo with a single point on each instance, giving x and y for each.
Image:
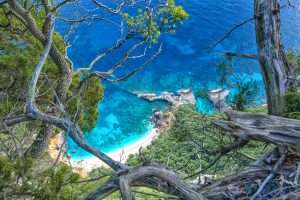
(262, 127)
(109, 9)
(269, 177)
(61, 4)
(228, 33)
(241, 55)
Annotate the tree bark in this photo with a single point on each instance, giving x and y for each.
(58, 58)
(166, 175)
(40, 144)
(273, 62)
(271, 129)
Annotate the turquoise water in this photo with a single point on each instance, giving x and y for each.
(184, 63)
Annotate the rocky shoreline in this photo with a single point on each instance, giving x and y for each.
(161, 121)
(180, 97)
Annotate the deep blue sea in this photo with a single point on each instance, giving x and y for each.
(185, 62)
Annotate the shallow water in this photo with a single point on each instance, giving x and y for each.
(184, 63)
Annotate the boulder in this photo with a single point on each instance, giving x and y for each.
(218, 98)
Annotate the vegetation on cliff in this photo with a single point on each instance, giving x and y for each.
(191, 144)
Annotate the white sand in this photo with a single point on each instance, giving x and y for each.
(86, 165)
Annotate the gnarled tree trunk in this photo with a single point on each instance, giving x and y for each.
(40, 144)
(271, 55)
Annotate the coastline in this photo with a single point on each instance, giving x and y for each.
(161, 121)
(86, 165)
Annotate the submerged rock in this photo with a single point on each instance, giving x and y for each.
(181, 97)
(218, 98)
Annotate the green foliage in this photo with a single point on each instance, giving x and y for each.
(245, 96)
(12, 173)
(224, 70)
(188, 145)
(292, 102)
(294, 61)
(292, 97)
(246, 90)
(150, 23)
(22, 176)
(257, 109)
(19, 53)
(38, 180)
(85, 104)
(173, 13)
(56, 183)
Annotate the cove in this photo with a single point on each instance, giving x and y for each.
(185, 62)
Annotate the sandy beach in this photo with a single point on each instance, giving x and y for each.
(86, 165)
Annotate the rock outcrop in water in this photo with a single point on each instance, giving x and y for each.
(218, 98)
(174, 99)
(162, 120)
